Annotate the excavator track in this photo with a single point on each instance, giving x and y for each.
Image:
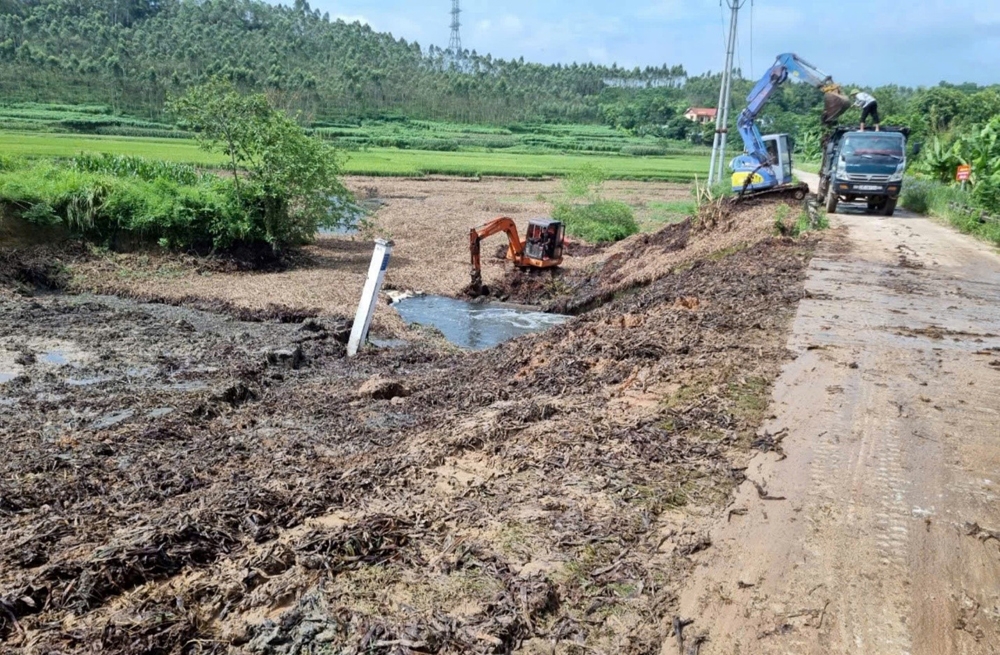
(796, 192)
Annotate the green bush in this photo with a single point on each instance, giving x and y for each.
(917, 196)
(986, 194)
(129, 166)
(104, 201)
(603, 221)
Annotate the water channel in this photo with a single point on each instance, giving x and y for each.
(473, 325)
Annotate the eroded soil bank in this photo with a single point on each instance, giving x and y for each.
(181, 480)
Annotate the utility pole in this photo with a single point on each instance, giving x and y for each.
(718, 162)
(456, 36)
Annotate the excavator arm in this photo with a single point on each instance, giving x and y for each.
(514, 250)
(787, 66)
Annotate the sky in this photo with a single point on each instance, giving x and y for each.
(870, 42)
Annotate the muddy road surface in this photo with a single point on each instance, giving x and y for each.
(873, 526)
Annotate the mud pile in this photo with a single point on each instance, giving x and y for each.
(605, 272)
(242, 487)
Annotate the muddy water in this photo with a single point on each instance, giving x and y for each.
(475, 326)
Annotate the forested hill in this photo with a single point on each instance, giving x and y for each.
(132, 54)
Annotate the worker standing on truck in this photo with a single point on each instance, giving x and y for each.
(869, 107)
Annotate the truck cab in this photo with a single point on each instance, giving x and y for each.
(864, 167)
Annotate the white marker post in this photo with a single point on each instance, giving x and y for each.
(366, 309)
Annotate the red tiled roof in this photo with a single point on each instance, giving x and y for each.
(702, 111)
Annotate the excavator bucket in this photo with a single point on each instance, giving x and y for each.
(834, 106)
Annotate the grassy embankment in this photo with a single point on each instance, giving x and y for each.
(951, 203)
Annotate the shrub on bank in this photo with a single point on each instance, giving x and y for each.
(602, 221)
(128, 200)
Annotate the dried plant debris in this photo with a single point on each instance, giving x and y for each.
(550, 491)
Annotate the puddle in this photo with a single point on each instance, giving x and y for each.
(111, 420)
(160, 413)
(146, 372)
(56, 357)
(474, 325)
(6, 377)
(193, 385)
(86, 382)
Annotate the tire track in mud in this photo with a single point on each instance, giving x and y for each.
(888, 452)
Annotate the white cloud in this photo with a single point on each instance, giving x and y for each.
(511, 24)
(599, 55)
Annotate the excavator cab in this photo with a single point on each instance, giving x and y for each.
(752, 175)
(544, 241)
(542, 246)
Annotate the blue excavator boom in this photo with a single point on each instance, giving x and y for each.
(766, 164)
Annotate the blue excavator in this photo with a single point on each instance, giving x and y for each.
(766, 166)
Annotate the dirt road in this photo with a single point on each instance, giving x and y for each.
(873, 526)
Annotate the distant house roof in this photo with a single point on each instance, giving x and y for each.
(702, 112)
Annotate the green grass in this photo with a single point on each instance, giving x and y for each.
(69, 145)
(951, 203)
(670, 212)
(400, 133)
(375, 161)
(522, 139)
(602, 221)
(414, 163)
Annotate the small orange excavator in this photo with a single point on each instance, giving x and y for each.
(542, 247)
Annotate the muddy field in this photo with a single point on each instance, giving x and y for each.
(177, 481)
(428, 220)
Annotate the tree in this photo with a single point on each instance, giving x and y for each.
(286, 180)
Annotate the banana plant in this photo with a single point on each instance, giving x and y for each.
(981, 151)
(940, 161)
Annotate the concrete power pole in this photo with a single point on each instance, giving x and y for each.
(456, 36)
(718, 163)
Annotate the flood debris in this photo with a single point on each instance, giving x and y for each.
(526, 495)
(291, 357)
(382, 388)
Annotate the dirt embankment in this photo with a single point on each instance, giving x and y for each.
(176, 480)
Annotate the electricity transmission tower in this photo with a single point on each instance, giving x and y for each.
(722, 112)
(456, 37)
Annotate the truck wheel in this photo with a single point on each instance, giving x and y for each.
(890, 207)
(831, 200)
